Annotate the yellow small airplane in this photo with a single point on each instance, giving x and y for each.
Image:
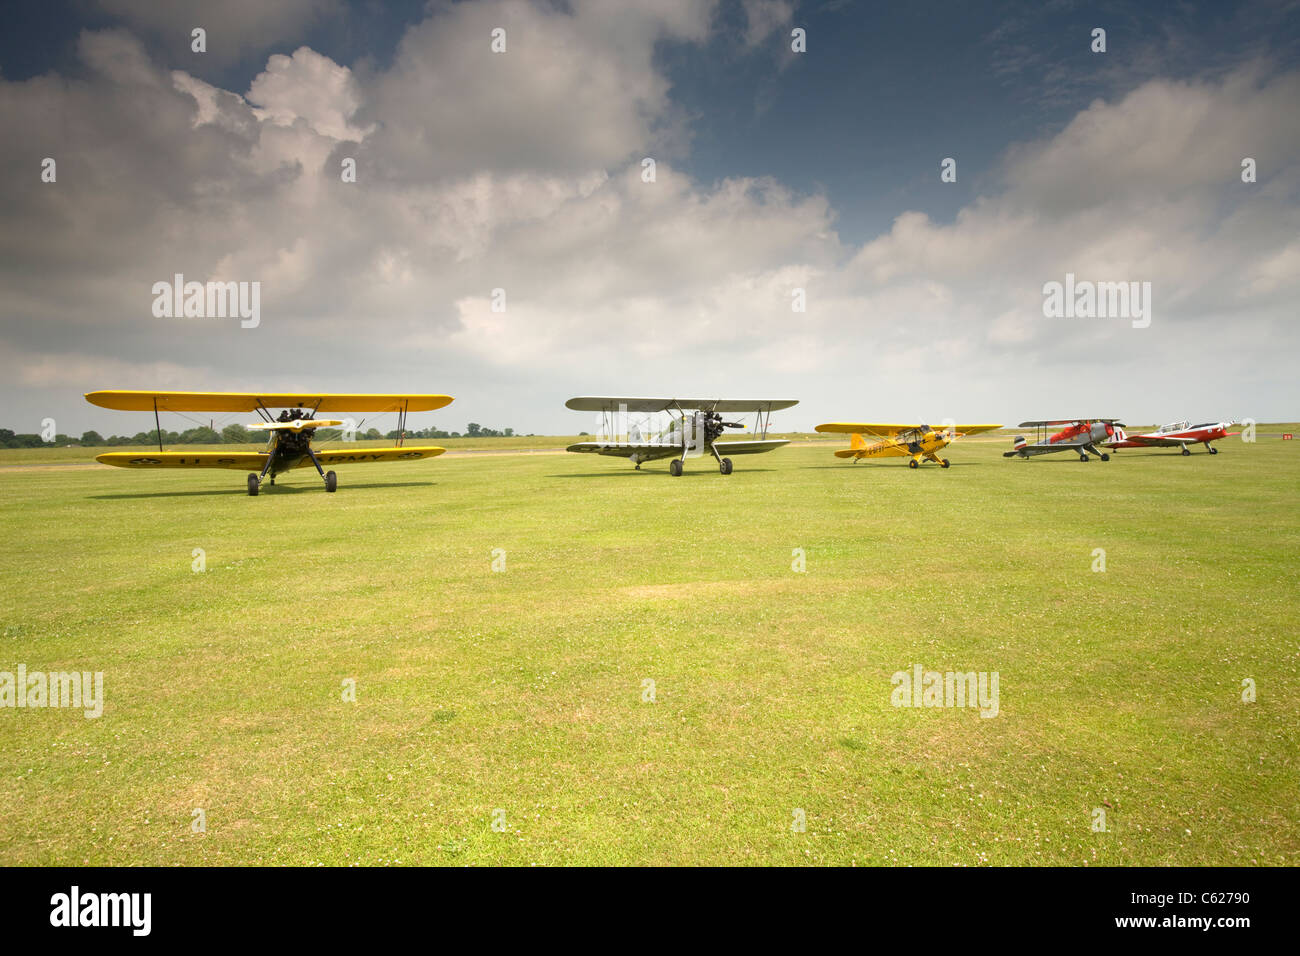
(290, 433)
(916, 442)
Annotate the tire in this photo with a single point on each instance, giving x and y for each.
(725, 466)
(1213, 451)
(1105, 456)
(913, 464)
(944, 463)
(253, 485)
(675, 468)
(331, 481)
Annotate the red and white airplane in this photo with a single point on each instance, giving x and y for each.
(1177, 434)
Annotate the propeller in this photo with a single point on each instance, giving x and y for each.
(714, 425)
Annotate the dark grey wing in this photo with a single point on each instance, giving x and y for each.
(729, 448)
(644, 451)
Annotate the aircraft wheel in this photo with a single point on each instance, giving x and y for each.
(331, 481)
(724, 466)
(253, 485)
(944, 463)
(1185, 451)
(675, 467)
(1083, 458)
(1212, 451)
(1105, 456)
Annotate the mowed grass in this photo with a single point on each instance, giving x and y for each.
(523, 690)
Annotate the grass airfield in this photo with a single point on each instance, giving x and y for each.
(522, 690)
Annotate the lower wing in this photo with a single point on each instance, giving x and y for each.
(1151, 441)
(256, 460)
(644, 451)
(340, 456)
(239, 461)
(1026, 451)
(729, 448)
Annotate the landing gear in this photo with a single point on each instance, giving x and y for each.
(1083, 457)
(944, 463)
(331, 479)
(253, 484)
(913, 464)
(724, 466)
(1186, 450)
(675, 468)
(1105, 456)
(1211, 449)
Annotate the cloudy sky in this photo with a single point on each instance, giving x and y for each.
(774, 171)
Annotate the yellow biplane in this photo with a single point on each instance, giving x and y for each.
(916, 442)
(290, 433)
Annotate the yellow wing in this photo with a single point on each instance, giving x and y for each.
(864, 428)
(128, 400)
(255, 460)
(359, 456)
(889, 431)
(239, 461)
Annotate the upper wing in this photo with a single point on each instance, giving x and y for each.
(360, 455)
(1068, 421)
(974, 429)
(240, 460)
(130, 400)
(727, 448)
(645, 451)
(603, 403)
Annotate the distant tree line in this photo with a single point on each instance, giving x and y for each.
(472, 430)
(231, 435)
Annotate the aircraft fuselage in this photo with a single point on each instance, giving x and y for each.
(924, 444)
